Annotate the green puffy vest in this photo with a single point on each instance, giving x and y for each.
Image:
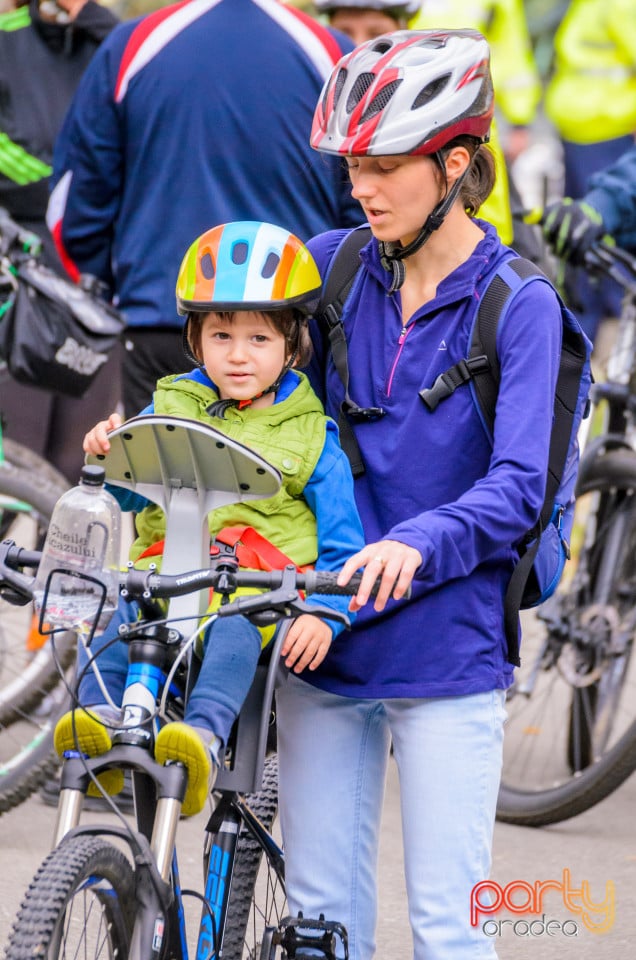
(290, 435)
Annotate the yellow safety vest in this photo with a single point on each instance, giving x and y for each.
(592, 94)
(515, 76)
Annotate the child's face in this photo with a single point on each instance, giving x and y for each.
(243, 355)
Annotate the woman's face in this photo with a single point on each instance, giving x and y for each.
(396, 193)
(364, 24)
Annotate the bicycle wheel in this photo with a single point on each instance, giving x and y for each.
(80, 903)
(257, 896)
(31, 690)
(571, 730)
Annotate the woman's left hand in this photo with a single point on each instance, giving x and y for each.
(391, 560)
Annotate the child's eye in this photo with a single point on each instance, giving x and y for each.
(260, 338)
(220, 335)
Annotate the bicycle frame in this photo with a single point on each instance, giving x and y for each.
(188, 469)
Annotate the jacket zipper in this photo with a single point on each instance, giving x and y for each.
(402, 338)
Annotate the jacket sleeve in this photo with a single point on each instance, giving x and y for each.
(613, 193)
(498, 509)
(87, 172)
(95, 20)
(330, 497)
(514, 70)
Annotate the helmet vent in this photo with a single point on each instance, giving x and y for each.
(207, 266)
(430, 91)
(239, 252)
(341, 79)
(269, 267)
(382, 46)
(360, 87)
(380, 100)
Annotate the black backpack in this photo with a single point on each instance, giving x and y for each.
(544, 549)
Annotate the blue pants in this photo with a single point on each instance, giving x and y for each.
(333, 754)
(232, 648)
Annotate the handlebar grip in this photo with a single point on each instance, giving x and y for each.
(325, 581)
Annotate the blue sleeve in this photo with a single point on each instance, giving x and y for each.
(88, 167)
(500, 508)
(613, 193)
(128, 500)
(329, 495)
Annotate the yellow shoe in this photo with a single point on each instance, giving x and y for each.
(86, 732)
(179, 741)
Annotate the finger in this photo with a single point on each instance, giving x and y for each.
(405, 578)
(370, 574)
(351, 566)
(389, 576)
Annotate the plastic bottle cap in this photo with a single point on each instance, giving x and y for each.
(93, 475)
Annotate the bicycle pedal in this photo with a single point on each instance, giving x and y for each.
(300, 937)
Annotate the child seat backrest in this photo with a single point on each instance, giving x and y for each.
(544, 549)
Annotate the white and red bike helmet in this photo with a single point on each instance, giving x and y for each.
(408, 92)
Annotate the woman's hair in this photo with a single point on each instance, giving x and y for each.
(292, 324)
(480, 179)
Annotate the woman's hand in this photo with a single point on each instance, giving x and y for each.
(391, 560)
(306, 643)
(96, 440)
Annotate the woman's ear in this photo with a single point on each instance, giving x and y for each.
(457, 160)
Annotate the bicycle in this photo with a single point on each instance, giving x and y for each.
(130, 873)
(31, 693)
(571, 730)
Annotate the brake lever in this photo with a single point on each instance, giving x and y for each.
(16, 588)
(268, 608)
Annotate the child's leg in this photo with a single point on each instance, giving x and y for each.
(110, 658)
(232, 647)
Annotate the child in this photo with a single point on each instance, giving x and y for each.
(245, 289)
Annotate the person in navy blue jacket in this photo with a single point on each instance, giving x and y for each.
(441, 505)
(608, 207)
(197, 113)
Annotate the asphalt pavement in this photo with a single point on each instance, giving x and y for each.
(591, 860)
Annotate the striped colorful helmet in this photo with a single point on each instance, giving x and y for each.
(247, 265)
(407, 92)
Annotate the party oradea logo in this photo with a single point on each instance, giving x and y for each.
(545, 908)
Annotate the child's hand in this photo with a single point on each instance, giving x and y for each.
(306, 643)
(96, 440)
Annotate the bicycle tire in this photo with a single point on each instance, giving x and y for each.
(557, 731)
(54, 920)
(31, 686)
(257, 897)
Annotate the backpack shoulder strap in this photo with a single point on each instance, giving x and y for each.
(481, 366)
(484, 337)
(343, 268)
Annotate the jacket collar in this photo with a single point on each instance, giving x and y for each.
(465, 277)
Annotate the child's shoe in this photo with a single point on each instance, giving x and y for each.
(88, 731)
(191, 746)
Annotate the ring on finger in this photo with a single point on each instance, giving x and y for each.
(380, 559)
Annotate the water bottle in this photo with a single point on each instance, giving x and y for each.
(80, 560)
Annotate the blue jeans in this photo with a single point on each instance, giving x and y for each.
(231, 650)
(333, 754)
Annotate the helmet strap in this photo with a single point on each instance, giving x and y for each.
(392, 254)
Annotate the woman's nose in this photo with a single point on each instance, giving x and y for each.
(363, 186)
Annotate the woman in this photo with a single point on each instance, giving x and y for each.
(441, 505)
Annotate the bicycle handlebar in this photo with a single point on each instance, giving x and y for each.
(281, 586)
(602, 257)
